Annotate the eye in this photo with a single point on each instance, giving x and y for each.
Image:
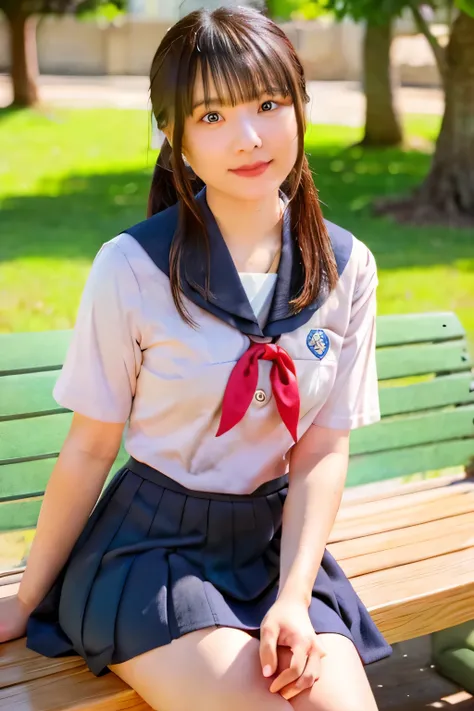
(213, 117)
(267, 105)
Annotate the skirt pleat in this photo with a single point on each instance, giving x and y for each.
(156, 561)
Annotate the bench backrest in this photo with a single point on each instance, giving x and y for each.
(426, 400)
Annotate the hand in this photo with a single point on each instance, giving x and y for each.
(13, 618)
(287, 624)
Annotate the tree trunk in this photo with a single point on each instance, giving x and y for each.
(382, 126)
(23, 58)
(449, 186)
(447, 194)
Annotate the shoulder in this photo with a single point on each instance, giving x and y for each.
(342, 242)
(138, 250)
(359, 266)
(365, 268)
(155, 234)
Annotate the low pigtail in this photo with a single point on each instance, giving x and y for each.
(308, 224)
(162, 191)
(174, 181)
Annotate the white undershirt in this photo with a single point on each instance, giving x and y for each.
(259, 289)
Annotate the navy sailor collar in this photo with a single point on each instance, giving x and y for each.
(228, 300)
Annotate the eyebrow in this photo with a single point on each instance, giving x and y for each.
(215, 101)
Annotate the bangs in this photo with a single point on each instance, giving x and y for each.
(237, 68)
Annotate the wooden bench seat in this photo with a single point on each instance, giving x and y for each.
(408, 548)
(412, 577)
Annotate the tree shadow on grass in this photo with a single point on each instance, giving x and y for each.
(73, 218)
(7, 111)
(350, 179)
(87, 211)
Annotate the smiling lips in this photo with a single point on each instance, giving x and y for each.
(252, 171)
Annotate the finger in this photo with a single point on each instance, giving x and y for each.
(268, 649)
(310, 675)
(295, 669)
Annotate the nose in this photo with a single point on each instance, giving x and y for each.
(247, 137)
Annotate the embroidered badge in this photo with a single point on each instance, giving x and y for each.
(318, 342)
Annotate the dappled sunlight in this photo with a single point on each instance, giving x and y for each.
(459, 701)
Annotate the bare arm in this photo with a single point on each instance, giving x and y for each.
(318, 470)
(77, 479)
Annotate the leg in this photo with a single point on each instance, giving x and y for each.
(207, 670)
(343, 684)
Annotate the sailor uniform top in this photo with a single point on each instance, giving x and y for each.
(133, 359)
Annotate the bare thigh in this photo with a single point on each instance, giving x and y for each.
(343, 683)
(207, 670)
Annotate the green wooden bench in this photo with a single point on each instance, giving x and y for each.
(408, 549)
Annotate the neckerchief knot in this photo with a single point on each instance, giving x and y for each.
(243, 381)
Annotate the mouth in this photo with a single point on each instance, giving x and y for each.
(250, 171)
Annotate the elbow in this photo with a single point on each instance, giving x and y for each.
(94, 439)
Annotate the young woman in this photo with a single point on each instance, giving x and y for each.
(234, 332)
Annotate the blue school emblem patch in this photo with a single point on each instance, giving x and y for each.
(318, 342)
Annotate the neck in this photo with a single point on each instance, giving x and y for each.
(251, 229)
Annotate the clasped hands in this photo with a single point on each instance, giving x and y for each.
(296, 668)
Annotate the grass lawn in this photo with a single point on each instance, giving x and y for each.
(71, 180)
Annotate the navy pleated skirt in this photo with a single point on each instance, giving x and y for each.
(157, 560)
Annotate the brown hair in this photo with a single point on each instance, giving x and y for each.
(247, 55)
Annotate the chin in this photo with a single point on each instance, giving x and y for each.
(254, 188)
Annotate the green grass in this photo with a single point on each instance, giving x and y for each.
(71, 180)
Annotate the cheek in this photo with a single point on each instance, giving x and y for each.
(284, 137)
(204, 150)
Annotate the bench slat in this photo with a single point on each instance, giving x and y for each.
(378, 491)
(38, 350)
(416, 328)
(387, 541)
(20, 441)
(26, 439)
(414, 430)
(18, 515)
(379, 466)
(28, 352)
(30, 476)
(394, 503)
(438, 392)
(45, 350)
(28, 394)
(430, 595)
(404, 547)
(418, 579)
(25, 479)
(406, 361)
(31, 394)
(70, 690)
(19, 664)
(407, 516)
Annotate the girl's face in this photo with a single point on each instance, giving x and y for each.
(221, 142)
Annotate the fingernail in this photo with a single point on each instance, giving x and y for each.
(267, 671)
